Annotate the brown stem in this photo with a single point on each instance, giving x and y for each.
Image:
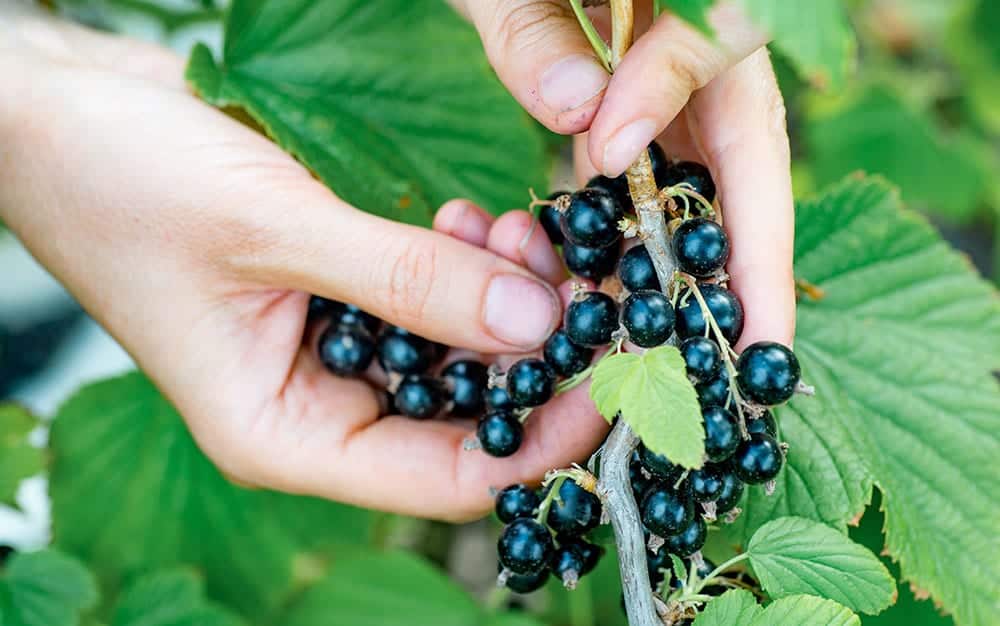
(622, 19)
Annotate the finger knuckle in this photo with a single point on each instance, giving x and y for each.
(408, 283)
(522, 25)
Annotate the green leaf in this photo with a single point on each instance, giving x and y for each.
(45, 589)
(652, 393)
(120, 447)
(695, 12)
(170, 598)
(680, 571)
(733, 607)
(793, 555)
(392, 105)
(738, 607)
(815, 36)
(18, 458)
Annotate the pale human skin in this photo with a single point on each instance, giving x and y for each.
(182, 232)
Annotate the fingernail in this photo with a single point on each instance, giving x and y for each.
(519, 311)
(571, 82)
(625, 145)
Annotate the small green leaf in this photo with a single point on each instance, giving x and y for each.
(695, 12)
(18, 458)
(45, 589)
(730, 609)
(793, 555)
(739, 608)
(680, 571)
(170, 598)
(652, 393)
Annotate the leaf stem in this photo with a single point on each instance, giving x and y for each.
(596, 42)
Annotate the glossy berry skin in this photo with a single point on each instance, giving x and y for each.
(617, 187)
(500, 434)
(420, 397)
(659, 465)
(701, 247)
(732, 491)
(639, 482)
(591, 319)
(497, 399)
(565, 357)
(530, 382)
(515, 502)
(320, 307)
(695, 174)
(758, 459)
(346, 350)
(764, 424)
(551, 220)
(636, 270)
(702, 357)
(716, 391)
(725, 308)
(589, 553)
(577, 511)
(722, 433)
(690, 539)
(528, 583)
(658, 159)
(467, 381)
(768, 373)
(706, 483)
(591, 263)
(592, 218)
(525, 547)
(648, 317)
(350, 315)
(402, 352)
(664, 511)
(566, 561)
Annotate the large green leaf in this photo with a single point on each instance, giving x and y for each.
(131, 491)
(45, 589)
(170, 598)
(392, 104)
(18, 458)
(692, 11)
(733, 607)
(740, 608)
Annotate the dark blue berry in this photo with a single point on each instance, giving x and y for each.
(636, 270)
(695, 174)
(758, 459)
(648, 317)
(515, 502)
(639, 482)
(575, 512)
(590, 553)
(565, 357)
(724, 306)
(763, 424)
(658, 564)
(591, 263)
(530, 382)
(732, 491)
(702, 358)
(706, 483)
(768, 373)
(666, 512)
(497, 399)
(525, 547)
(500, 434)
(716, 391)
(566, 563)
(320, 307)
(659, 465)
(592, 218)
(346, 350)
(690, 539)
(420, 397)
(402, 352)
(350, 315)
(550, 219)
(528, 583)
(701, 247)
(658, 159)
(467, 381)
(618, 187)
(591, 319)
(722, 433)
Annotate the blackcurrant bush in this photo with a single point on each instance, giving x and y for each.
(690, 539)
(592, 263)
(732, 491)
(758, 459)
(467, 381)
(636, 270)
(497, 399)
(515, 502)
(590, 553)
(525, 546)
(550, 219)
(566, 562)
(575, 512)
(592, 218)
(322, 307)
(350, 315)
(659, 465)
(565, 357)
(716, 391)
(768, 373)
(702, 358)
(346, 350)
(664, 511)
(722, 433)
(724, 306)
(695, 174)
(648, 317)
(402, 352)
(420, 397)
(591, 319)
(701, 247)
(530, 382)
(528, 583)
(500, 434)
(763, 424)
(706, 483)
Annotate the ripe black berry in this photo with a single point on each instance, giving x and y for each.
(701, 247)
(515, 502)
(346, 350)
(590, 553)
(575, 512)
(659, 465)
(648, 317)
(350, 315)
(702, 358)
(636, 270)
(566, 563)
(732, 491)
(420, 397)
(706, 483)
(530, 382)
(525, 546)
(617, 187)
(565, 357)
(322, 307)
(695, 174)
(758, 459)
(591, 263)
(550, 219)
(592, 218)
(591, 319)
(402, 352)
(666, 512)
(528, 583)
(724, 306)
(722, 433)
(768, 373)
(467, 381)
(500, 434)
(497, 399)
(764, 424)
(716, 391)
(690, 539)
(658, 159)
(657, 564)
(639, 482)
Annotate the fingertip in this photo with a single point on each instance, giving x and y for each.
(464, 220)
(518, 237)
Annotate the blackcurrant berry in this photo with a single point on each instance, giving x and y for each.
(566, 563)
(500, 434)
(659, 465)
(722, 433)
(732, 491)
(467, 381)
(658, 159)
(763, 424)
(589, 552)
(664, 511)
(758, 459)
(695, 174)
(648, 317)
(639, 482)
(550, 219)
(420, 397)
(592, 218)
(591, 319)
(320, 307)
(724, 306)
(701, 247)
(565, 357)
(346, 350)
(402, 352)
(636, 270)
(716, 391)
(528, 583)
(497, 399)
(768, 373)
(617, 187)
(690, 539)
(350, 315)
(575, 512)
(525, 546)
(530, 382)
(515, 502)
(706, 483)
(592, 263)
(702, 358)
(658, 564)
